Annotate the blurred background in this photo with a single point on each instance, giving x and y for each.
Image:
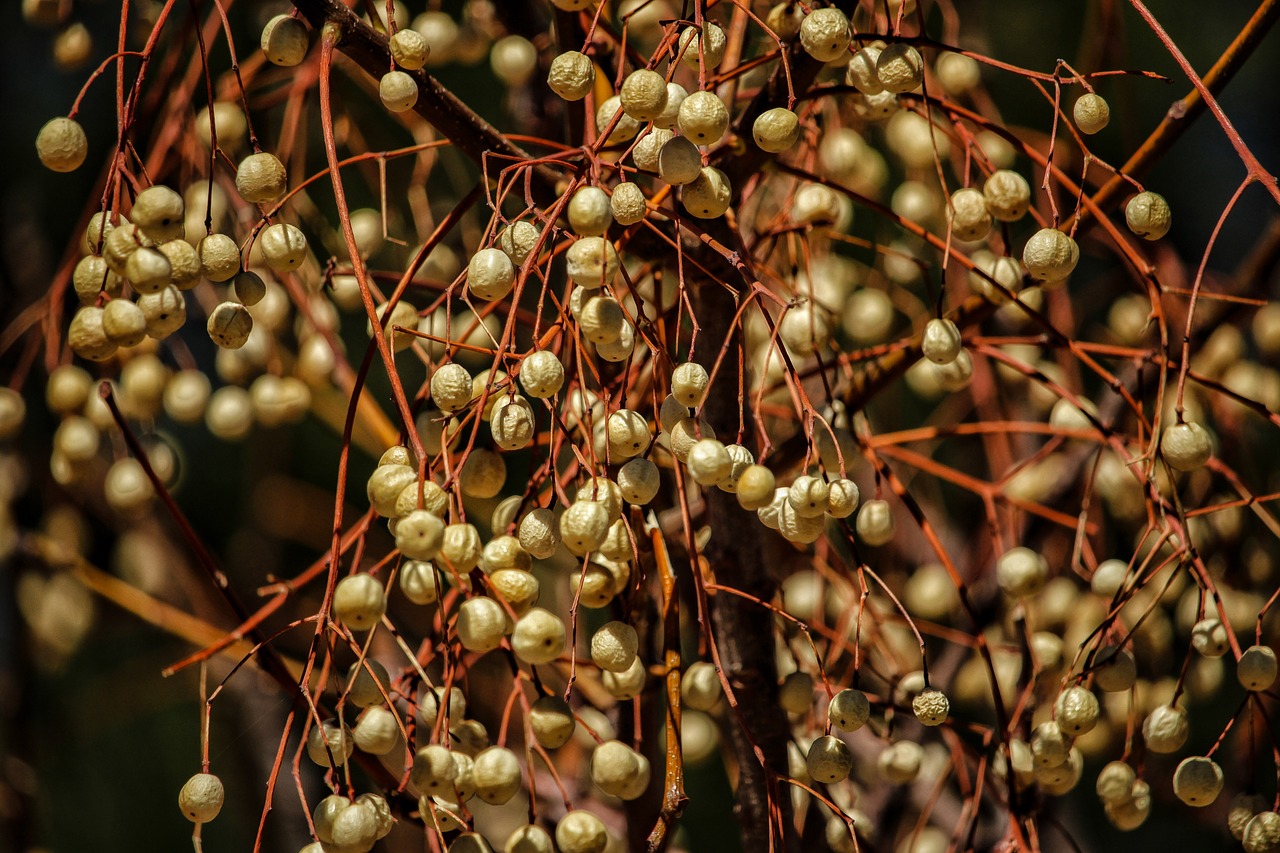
(94, 743)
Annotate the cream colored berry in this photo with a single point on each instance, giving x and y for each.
(795, 694)
(1147, 214)
(1256, 668)
(601, 319)
(539, 533)
(512, 423)
(639, 481)
(755, 487)
(359, 602)
(330, 744)
(706, 47)
(825, 34)
(1115, 782)
(261, 178)
(627, 204)
(490, 274)
(643, 95)
(614, 646)
(968, 215)
(700, 686)
(671, 112)
(229, 415)
(648, 150)
(875, 524)
(689, 384)
(1076, 711)
(419, 535)
(552, 722)
(1007, 195)
(583, 527)
(900, 68)
(123, 323)
(284, 41)
(931, 707)
(605, 492)
(708, 195)
(87, 335)
(842, 497)
(628, 434)
(520, 590)
(1165, 729)
(776, 130)
(496, 772)
(861, 74)
(679, 161)
(1186, 446)
(483, 474)
(709, 462)
(481, 624)
(808, 496)
(829, 760)
(1262, 833)
(157, 212)
(201, 798)
(1050, 255)
(1021, 572)
(581, 832)
(62, 145)
(628, 684)
(625, 127)
(1091, 113)
(219, 257)
(283, 247)
(613, 766)
(589, 212)
(571, 75)
(184, 263)
(541, 374)
(1197, 781)
(518, 240)
(229, 325)
(409, 49)
(93, 277)
(849, 710)
(1210, 637)
(148, 270)
(539, 636)
(592, 262)
(504, 552)
(451, 387)
(941, 342)
(398, 91)
(703, 118)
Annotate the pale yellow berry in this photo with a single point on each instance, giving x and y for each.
(899, 763)
(62, 145)
(1256, 669)
(1165, 729)
(481, 624)
(1091, 113)
(592, 262)
(639, 481)
(490, 274)
(1050, 255)
(708, 195)
(875, 523)
(1197, 781)
(514, 60)
(1186, 446)
(398, 91)
(1021, 572)
(581, 832)
(776, 130)
(165, 311)
(552, 722)
(931, 707)
(261, 178)
(679, 161)
(703, 118)
(571, 75)
(627, 204)
(707, 47)
(148, 270)
(330, 744)
(124, 323)
(1147, 214)
(900, 68)
(229, 325)
(359, 601)
(483, 474)
(159, 213)
(644, 94)
(201, 797)
(409, 49)
(756, 485)
(283, 247)
(1007, 195)
(825, 34)
(539, 636)
(700, 686)
(861, 74)
(625, 127)
(284, 41)
(671, 112)
(496, 772)
(968, 215)
(829, 760)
